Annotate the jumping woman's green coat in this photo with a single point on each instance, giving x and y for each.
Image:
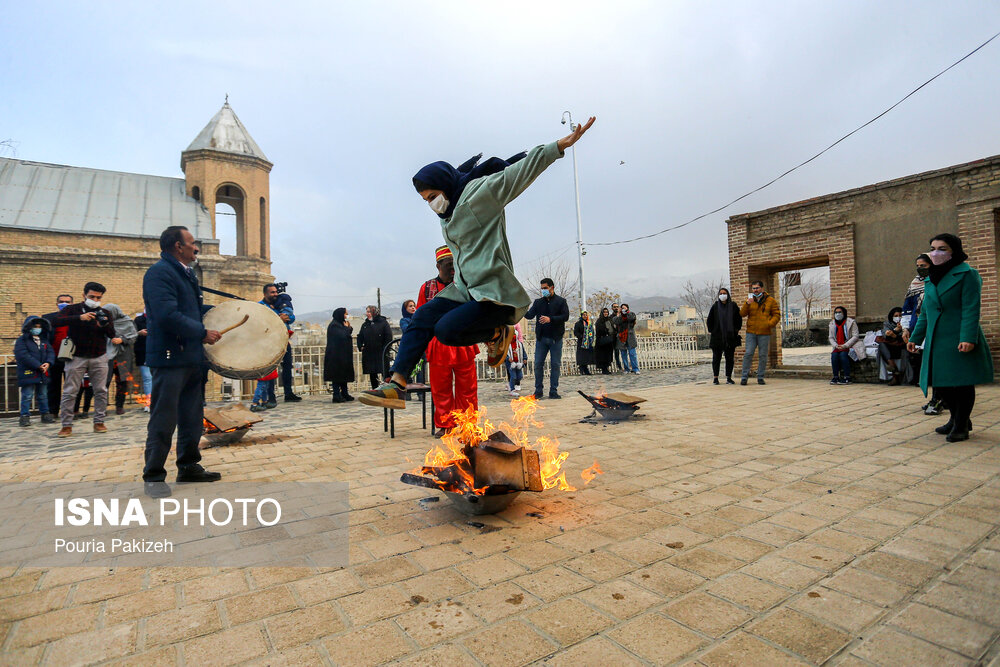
(476, 232)
(949, 316)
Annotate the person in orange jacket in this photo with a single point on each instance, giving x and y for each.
(761, 314)
(451, 370)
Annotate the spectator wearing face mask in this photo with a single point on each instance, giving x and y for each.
(911, 309)
(627, 343)
(956, 356)
(724, 324)
(761, 313)
(844, 337)
(34, 356)
(890, 348)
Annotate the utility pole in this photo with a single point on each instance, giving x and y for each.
(579, 221)
(378, 298)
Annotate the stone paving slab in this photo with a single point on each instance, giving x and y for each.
(795, 523)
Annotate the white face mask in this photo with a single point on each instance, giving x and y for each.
(939, 257)
(92, 304)
(723, 298)
(838, 316)
(897, 319)
(439, 204)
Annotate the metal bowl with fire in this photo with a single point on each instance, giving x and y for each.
(482, 468)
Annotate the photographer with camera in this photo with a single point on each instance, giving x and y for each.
(90, 327)
(278, 300)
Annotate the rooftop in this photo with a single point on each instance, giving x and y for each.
(60, 198)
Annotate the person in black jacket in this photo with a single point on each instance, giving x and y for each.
(552, 312)
(373, 338)
(584, 332)
(89, 327)
(176, 356)
(724, 324)
(338, 361)
(604, 347)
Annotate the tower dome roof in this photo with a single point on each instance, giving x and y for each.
(225, 133)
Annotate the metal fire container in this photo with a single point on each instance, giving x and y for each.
(469, 503)
(613, 407)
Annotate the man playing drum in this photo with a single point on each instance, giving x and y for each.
(176, 358)
(485, 300)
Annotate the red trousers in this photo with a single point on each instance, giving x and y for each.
(452, 388)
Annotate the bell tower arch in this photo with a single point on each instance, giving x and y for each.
(225, 165)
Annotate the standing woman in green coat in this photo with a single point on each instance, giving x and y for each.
(485, 300)
(956, 356)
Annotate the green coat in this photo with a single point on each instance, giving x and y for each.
(949, 316)
(476, 232)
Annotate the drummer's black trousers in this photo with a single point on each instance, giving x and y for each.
(176, 403)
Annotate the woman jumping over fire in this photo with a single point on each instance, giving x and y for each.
(486, 299)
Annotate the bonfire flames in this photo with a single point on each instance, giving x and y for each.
(480, 458)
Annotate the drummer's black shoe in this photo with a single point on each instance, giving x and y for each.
(271, 404)
(291, 398)
(348, 398)
(195, 473)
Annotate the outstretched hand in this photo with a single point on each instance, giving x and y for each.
(575, 135)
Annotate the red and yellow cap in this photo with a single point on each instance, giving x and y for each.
(442, 253)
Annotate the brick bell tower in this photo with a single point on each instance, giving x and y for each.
(225, 165)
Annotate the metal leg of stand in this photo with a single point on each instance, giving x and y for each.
(385, 420)
(392, 423)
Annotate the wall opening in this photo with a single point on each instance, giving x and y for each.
(263, 228)
(230, 205)
(804, 295)
(196, 193)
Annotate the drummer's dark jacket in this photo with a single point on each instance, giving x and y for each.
(174, 310)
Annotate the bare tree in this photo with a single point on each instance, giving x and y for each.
(564, 276)
(701, 298)
(602, 298)
(8, 146)
(815, 291)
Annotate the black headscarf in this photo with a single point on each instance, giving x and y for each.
(939, 271)
(603, 323)
(339, 316)
(451, 181)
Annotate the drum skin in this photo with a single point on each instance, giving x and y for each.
(253, 349)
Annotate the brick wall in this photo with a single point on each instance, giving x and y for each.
(824, 232)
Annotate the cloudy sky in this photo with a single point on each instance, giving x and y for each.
(697, 103)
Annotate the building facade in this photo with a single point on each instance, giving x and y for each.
(869, 238)
(61, 226)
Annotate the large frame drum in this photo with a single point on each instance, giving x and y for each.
(251, 350)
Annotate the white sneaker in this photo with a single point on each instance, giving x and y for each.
(515, 393)
(146, 409)
(517, 387)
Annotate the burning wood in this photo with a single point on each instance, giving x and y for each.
(478, 459)
(612, 407)
(224, 426)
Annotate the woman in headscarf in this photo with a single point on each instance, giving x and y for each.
(338, 361)
(373, 341)
(409, 307)
(956, 356)
(844, 337)
(485, 300)
(911, 309)
(890, 349)
(604, 344)
(515, 362)
(584, 332)
(724, 324)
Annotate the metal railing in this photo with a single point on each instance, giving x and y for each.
(655, 352)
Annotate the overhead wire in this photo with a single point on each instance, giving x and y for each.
(801, 164)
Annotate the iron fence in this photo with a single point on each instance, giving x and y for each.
(655, 352)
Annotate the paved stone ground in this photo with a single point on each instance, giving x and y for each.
(797, 523)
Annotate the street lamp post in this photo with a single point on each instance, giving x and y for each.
(579, 221)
